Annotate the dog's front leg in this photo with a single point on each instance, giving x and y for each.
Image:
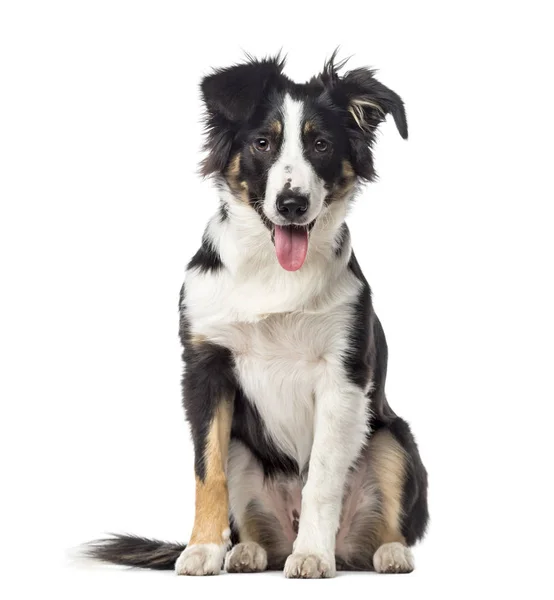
(208, 394)
(340, 433)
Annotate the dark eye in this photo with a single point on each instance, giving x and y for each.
(262, 145)
(321, 146)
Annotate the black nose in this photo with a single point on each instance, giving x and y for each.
(292, 205)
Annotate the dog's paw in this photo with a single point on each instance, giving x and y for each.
(247, 557)
(393, 558)
(309, 566)
(200, 559)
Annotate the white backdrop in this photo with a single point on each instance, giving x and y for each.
(101, 208)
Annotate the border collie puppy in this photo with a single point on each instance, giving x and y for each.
(300, 462)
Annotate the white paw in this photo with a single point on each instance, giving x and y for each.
(310, 566)
(200, 559)
(393, 558)
(247, 557)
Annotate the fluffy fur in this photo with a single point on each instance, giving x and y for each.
(296, 447)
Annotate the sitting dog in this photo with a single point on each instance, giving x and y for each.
(300, 461)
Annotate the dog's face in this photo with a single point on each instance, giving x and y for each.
(290, 150)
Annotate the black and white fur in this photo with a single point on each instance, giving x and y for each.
(302, 354)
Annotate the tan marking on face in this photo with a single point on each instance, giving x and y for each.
(211, 521)
(347, 169)
(308, 126)
(389, 464)
(349, 179)
(197, 339)
(276, 128)
(341, 189)
(232, 175)
(234, 167)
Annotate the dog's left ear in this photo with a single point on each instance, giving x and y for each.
(369, 101)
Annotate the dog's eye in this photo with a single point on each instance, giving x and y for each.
(321, 146)
(262, 145)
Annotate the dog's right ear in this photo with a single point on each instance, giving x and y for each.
(231, 97)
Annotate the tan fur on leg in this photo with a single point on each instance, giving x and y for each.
(211, 533)
(211, 522)
(389, 463)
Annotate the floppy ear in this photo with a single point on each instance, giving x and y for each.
(369, 101)
(231, 97)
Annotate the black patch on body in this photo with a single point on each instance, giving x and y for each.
(359, 360)
(249, 428)
(208, 379)
(368, 352)
(207, 259)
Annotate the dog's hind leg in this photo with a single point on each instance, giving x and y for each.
(385, 505)
(265, 511)
(389, 463)
(384, 508)
(403, 481)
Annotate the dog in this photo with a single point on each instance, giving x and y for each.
(300, 462)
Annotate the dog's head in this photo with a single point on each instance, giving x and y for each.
(290, 150)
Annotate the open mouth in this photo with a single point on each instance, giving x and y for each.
(291, 245)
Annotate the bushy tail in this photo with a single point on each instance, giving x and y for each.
(134, 551)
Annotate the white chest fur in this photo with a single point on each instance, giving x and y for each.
(282, 328)
(278, 355)
(278, 362)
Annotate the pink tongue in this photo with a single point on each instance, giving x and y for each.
(291, 245)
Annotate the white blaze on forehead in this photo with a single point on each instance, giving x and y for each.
(291, 158)
(291, 167)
